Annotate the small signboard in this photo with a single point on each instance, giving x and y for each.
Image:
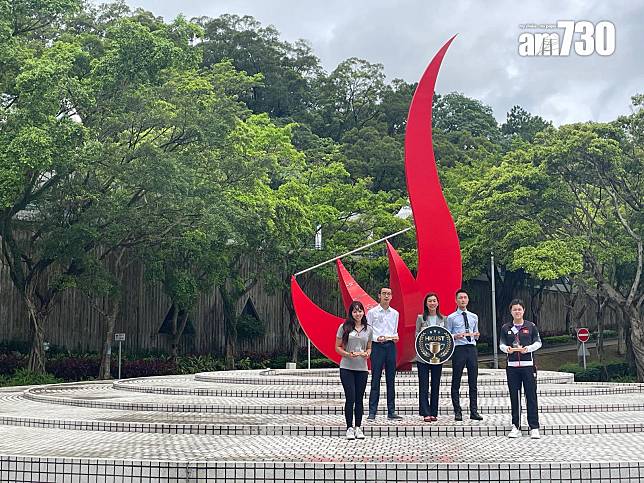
(119, 337)
(583, 335)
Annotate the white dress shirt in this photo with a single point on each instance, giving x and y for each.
(384, 322)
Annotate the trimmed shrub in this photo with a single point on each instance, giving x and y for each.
(320, 363)
(144, 368)
(483, 347)
(23, 377)
(10, 362)
(74, 368)
(613, 371)
(19, 346)
(557, 339)
(194, 364)
(571, 367)
(591, 374)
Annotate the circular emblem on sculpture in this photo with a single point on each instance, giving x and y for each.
(434, 345)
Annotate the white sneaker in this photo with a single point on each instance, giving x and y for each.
(534, 433)
(351, 434)
(359, 434)
(515, 433)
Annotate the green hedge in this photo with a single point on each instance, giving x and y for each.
(319, 363)
(22, 377)
(613, 371)
(558, 339)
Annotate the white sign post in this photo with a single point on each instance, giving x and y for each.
(583, 335)
(120, 338)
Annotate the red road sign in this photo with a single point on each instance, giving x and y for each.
(583, 335)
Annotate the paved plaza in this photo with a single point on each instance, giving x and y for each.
(285, 425)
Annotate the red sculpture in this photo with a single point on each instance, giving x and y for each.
(439, 255)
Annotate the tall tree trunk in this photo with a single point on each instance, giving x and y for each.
(621, 339)
(536, 301)
(293, 325)
(571, 300)
(37, 353)
(506, 289)
(601, 304)
(38, 309)
(110, 316)
(636, 340)
(230, 325)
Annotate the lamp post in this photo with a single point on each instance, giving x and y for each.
(494, 337)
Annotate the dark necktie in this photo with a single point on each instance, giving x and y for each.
(467, 327)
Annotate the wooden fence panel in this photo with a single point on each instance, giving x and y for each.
(77, 326)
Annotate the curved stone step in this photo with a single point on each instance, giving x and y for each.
(276, 377)
(329, 425)
(187, 386)
(104, 396)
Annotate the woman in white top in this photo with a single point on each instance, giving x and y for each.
(431, 316)
(353, 343)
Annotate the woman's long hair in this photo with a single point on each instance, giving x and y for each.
(426, 310)
(350, 323)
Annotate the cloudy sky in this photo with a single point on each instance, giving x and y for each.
(483, 62)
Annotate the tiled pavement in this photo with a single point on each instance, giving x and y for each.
(288, 426)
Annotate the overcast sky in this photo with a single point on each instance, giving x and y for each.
(483, 62)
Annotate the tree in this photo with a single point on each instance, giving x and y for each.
(268, 215)
(570, 205)
(455, 112)
(287, 69)
(108, 138)
(40, 147)
(600, 166)
(521, 123)
(372, 154)
(396, 98)
(348, 98)
(163, 141)
(346, 212)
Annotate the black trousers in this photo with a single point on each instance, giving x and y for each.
(354, 384)
(425, 406)
(465, 356)
(382, 355)
(526, 377)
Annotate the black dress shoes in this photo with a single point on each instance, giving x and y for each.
(476, 417)
(458, 416)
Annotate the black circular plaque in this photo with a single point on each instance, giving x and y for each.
(434, 345)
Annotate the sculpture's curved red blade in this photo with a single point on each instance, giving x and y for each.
(318, 325)
(407, 300)
(351, 290)
(439, 256)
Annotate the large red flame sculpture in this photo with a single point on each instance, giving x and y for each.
(439, 255)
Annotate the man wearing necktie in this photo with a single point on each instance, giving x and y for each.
(464, 326)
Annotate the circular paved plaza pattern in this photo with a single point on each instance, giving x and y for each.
(288, 425)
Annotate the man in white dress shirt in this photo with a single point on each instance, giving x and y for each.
(383, 320)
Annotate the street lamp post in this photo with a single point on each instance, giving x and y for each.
(494, 337)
